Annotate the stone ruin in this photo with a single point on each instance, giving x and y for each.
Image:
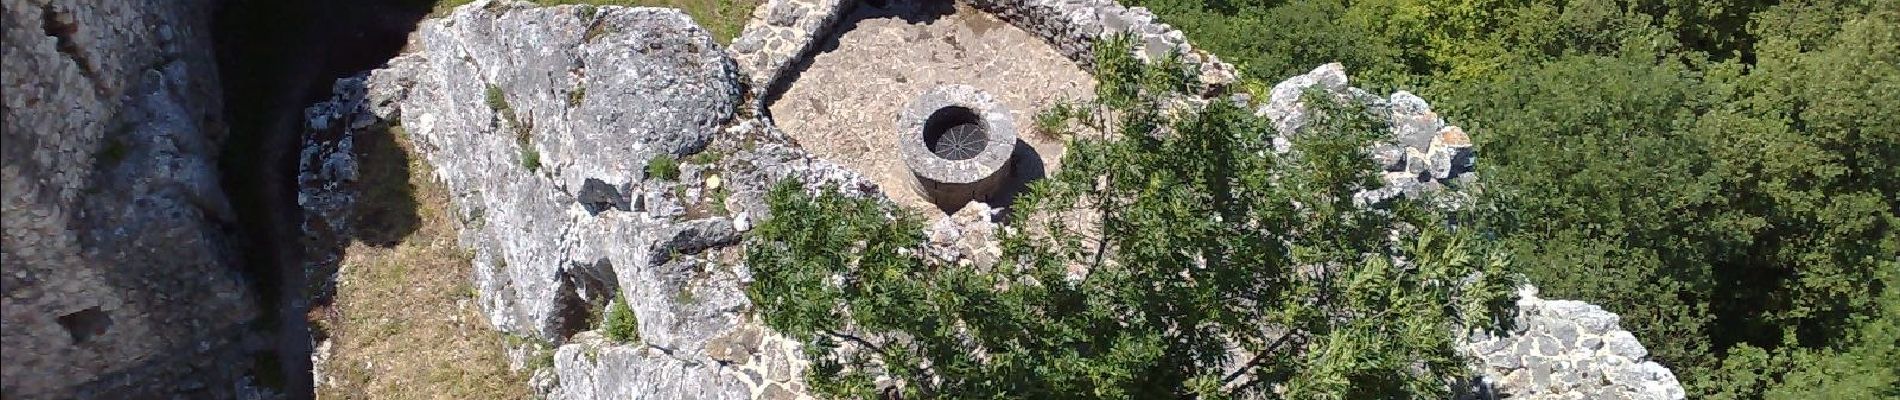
(541, 256)
(957, 142)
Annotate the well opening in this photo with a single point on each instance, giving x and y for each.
(874, 68)
(955, 133)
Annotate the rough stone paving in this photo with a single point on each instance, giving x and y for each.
(554, 241)
(844, 105)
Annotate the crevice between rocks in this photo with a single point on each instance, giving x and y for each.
(61, 27)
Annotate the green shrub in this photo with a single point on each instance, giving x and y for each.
(1054, 121)
(664, 167)
(530, 158)
(495, 99)
(621, 325)
(1204, 236)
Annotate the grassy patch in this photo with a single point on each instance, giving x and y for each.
(1053, 122)
(403, 325)
(708, 157)
(723, 18)
(663, 166)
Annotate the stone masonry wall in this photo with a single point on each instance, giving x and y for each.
(1073, 27)
(119, 277)
(780, 34)
(595, 93)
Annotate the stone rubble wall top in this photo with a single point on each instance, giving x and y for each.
(1568, 349)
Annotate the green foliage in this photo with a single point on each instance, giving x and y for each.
(1054, 121)
(708, 157)
(1721, 173)
(620, 324)
(114, 151)
(1208, 241)
(495, 99)
(663, 166)
(1867, 368)
(530, 158)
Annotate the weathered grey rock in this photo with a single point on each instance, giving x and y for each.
(1552, 355)
(968, 236)
(120, 278)
(554, 242)
(649, 82)
(594, 368)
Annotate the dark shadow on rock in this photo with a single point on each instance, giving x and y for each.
(274, 58)
(385, 211)
(1026, 166)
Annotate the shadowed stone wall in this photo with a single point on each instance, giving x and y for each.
(120, 279)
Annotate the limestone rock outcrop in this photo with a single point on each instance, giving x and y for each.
(541, 122)
(524, 111)
(121, 278)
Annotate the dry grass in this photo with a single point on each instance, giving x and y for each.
(724, 18)
(405, 323)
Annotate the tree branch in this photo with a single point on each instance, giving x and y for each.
(1258, 358)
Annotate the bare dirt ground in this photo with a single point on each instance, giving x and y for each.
(405, 323)
(843, 106)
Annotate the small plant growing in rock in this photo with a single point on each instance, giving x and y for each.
(707, 157)
(530, 158)
(495, 99)
(524, 140)
(719, 201)
(663, 166)
(621, 325)
(1054, 121)
(574, 98)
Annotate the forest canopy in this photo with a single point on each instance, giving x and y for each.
(1721, 173)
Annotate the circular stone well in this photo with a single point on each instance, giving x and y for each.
(957, 142)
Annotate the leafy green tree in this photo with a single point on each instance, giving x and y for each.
(1182, 257)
